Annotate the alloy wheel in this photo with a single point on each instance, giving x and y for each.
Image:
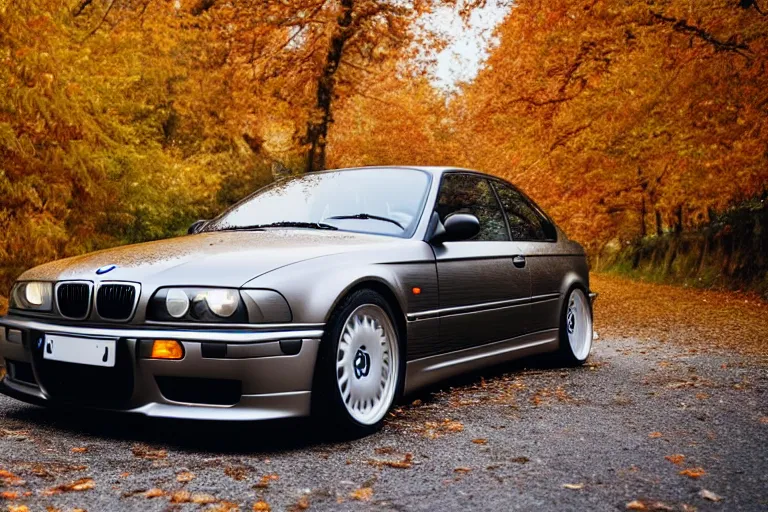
(578, 324)
(367, 364)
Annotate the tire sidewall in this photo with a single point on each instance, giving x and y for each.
(327, 402)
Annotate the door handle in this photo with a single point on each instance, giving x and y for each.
(519, 261)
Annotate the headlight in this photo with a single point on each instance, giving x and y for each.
(227, 305)
(223, 303)
(32, 295)
(176, 303)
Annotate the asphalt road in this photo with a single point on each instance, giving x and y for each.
(509, 440)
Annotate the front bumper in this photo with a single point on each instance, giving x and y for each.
(270, 371)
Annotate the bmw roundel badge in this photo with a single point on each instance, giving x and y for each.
(105, 269)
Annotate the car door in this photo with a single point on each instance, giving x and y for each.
(483, 291)
(535, 236)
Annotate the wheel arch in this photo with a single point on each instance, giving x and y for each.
(384, 289)
(571, 280)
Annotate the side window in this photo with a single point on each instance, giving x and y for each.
(465, 193)
(524, 222)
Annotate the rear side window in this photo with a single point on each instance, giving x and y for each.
(465, 193)
(525, 223)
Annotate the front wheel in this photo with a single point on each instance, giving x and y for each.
(358, 373)
(575, 328)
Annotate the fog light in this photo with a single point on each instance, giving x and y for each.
(167, 349)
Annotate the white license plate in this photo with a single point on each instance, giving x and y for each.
(68, 349)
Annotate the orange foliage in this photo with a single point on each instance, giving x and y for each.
(124, 121)
(608, 112)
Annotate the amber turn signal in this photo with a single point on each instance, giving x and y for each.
(167, 349)
(416, 290)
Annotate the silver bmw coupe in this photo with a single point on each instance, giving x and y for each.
(329, 294)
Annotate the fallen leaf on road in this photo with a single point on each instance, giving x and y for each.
(18, 508)
(302, 504)
(764, 420)
(145, 452)
(655, 435)
(709, 495)
(636, 505)
(224, 506)
(433, 430)
(521, 460)
(462, 470)
(9, 478)
(693, 472)
(185, 477)
(202, 499)
(181, 497)
(573, 486)
(454, 426)
(362, 494)
(19, 435)
(480, 441)
(51, 469)
(406, 463)
(659, 506)
(83, 484)
(677, 458)
(237, 472)
(154, 493)
(265, 480)
(261, 506)
(9, 495)
(80, 449)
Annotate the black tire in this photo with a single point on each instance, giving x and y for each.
(565, 354)
(328, 408)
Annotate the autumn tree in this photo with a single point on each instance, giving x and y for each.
(311, 53)
(400, 119)
(617, 115)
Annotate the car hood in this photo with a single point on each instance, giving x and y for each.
(224, 258)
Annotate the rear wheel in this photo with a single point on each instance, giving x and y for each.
(359, 368)
(575, 328)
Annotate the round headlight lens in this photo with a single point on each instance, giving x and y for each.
(177, 303)
(35, 293)
(223, 303)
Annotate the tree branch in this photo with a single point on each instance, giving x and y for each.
(746, 4)
(542, 103)
(563, 139)
(77, 11)
(682, 26)
(103, 19)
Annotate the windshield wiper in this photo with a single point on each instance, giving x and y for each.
(366, 216)
(283, 224)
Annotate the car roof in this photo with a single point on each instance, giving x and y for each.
(434, 170)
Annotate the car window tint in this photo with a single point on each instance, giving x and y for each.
(464, 193)
(524, 222)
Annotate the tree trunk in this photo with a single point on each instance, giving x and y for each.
(643, 212)
(659, 227)
(317, 127)
(679, 223)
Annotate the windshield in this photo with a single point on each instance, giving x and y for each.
(378, 201)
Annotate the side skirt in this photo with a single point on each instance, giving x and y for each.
(428, 370)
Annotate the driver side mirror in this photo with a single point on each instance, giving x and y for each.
(196, 226)
(457, 227)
